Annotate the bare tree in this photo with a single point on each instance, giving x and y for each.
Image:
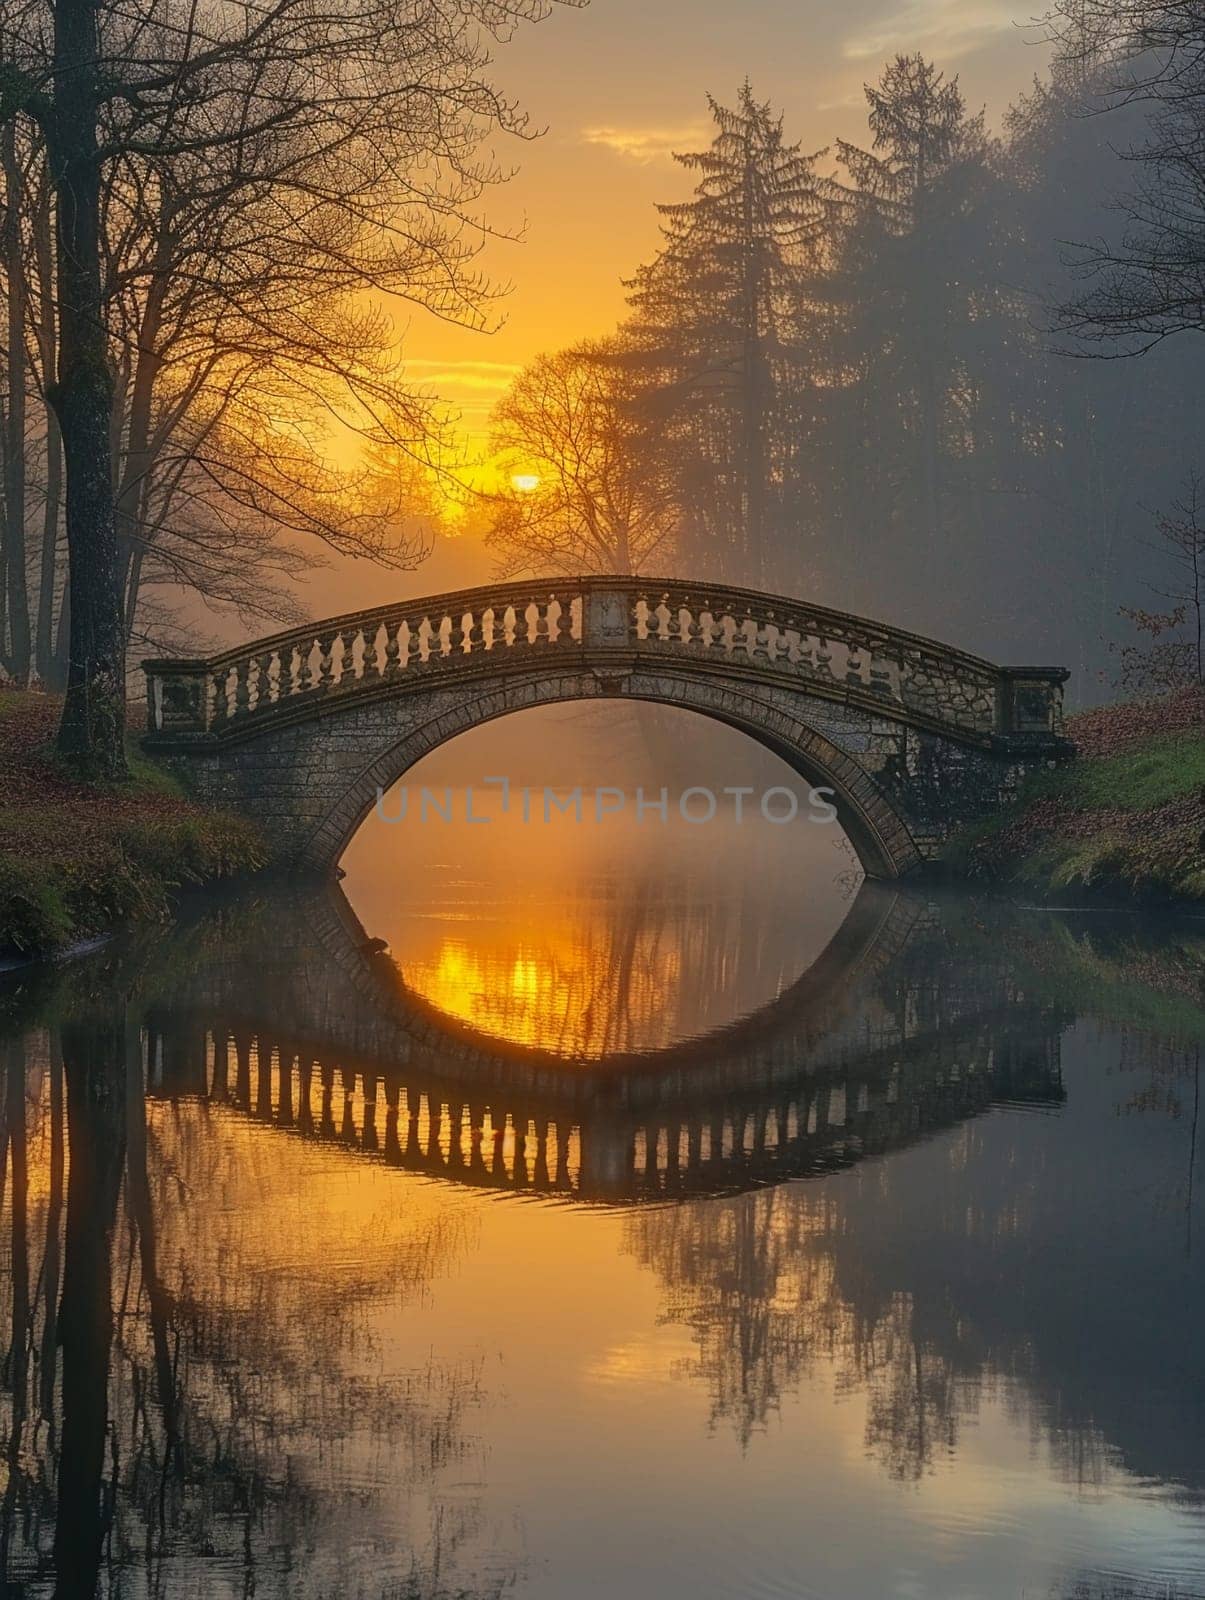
(1149, 283)
(1175, 654)
(358, 125)
(586, 490)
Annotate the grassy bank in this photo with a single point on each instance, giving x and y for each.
(78, 859)
(1125, 820)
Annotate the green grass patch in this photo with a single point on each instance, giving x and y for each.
(1123, 824)
(1152, 775)
(148, 777)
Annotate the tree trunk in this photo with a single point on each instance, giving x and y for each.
(58, 669)
(45, 654)
(92, 732)
(16, 583)
(45, 659)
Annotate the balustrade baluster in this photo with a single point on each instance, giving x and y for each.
(355, 656)
(242, 1070)
(284, 1112)
(472, 632)
(220, 1088)
(263, 681)
(407, 644)
(373, 661)
(880, 674)
(824, 656)
(542, 621)
(423, 635)
(393, 1145)
(221, 697)
(326, 663)
(244, 685)
(263, 1079)
(305, 1088)
(372, 1087)
(387, 656)
(347, 1131)
(489, 627)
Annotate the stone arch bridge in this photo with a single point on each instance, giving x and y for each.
(302, 730)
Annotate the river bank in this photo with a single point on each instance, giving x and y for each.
(77, 860)
(1124, 822)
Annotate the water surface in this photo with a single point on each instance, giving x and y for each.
(657, 1215)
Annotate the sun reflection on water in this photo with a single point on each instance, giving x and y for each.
(592, 942)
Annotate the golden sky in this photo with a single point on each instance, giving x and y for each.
(616, 88)
(619, 86)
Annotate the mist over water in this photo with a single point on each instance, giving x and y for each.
(603, 914)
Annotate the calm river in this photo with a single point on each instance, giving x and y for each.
(659, 1214)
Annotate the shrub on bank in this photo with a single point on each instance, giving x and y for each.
(77, 859)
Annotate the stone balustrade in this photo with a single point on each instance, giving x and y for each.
(613, 622)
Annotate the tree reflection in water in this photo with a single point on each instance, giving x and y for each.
(919, 1302)
(207, 1382)
(198, 1390)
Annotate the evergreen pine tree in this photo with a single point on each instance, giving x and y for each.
(717, 328)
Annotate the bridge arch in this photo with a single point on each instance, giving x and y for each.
(913, 737)
(877, 831)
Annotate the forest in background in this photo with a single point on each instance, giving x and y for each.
(884, 376)
(887, 377)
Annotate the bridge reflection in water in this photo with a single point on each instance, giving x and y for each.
(872, 1048)
(249, 1358)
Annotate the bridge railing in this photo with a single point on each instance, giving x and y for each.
(615, 619)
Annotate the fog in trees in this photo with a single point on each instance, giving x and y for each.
(871, 375)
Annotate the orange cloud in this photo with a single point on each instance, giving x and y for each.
(648, 144)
